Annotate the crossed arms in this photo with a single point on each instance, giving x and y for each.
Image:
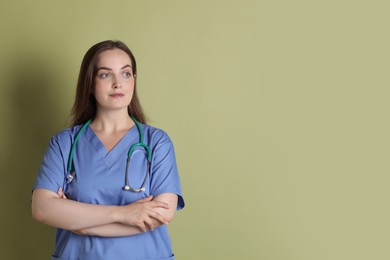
(140, 216)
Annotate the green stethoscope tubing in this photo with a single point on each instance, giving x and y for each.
(72, 172)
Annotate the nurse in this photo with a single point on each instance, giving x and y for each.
(95, 216)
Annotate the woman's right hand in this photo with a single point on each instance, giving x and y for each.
(142, 214)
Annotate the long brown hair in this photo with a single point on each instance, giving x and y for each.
(84, 107)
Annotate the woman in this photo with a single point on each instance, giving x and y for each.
(93, 196)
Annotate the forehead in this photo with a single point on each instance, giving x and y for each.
(113, 58)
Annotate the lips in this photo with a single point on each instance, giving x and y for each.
(117, 95)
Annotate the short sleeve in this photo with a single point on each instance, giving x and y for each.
(164, 174)
(51, 174)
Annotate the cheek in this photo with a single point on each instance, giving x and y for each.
(131, 86)
(98, 88)
(97, 92)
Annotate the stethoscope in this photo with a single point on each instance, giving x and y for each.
(72, 172)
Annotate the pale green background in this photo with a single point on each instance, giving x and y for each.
(278, 111)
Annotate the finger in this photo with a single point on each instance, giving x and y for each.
(149, 224)
(78, 232)
(143, 227)
(60, 193)
(159, 217)
(160, 204)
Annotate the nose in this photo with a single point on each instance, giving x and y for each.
(116, 83)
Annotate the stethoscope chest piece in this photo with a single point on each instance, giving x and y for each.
(128, 188)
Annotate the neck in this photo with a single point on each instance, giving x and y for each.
(112, 121)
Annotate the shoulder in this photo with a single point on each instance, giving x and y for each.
(65, 137)
(155, 136)
(160, 144)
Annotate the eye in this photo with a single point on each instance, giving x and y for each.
(104, 75)
(126, 74)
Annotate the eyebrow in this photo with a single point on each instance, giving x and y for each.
(105, 68)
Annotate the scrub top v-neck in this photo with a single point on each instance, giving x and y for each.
(100, 177)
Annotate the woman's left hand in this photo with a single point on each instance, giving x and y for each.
(61, 194)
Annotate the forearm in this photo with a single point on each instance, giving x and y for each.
(55, 210)
(119, 230)
(171, 199)
(49, 209)
(110, 230)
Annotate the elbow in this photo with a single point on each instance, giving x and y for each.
(38, 212)
(38, 215)
(170, 199)
(169, 217)
(39, 206)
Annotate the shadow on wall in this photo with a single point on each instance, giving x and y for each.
(32, 117)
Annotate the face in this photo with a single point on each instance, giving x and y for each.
(114, 80)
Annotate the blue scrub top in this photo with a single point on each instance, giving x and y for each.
(100, 176)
